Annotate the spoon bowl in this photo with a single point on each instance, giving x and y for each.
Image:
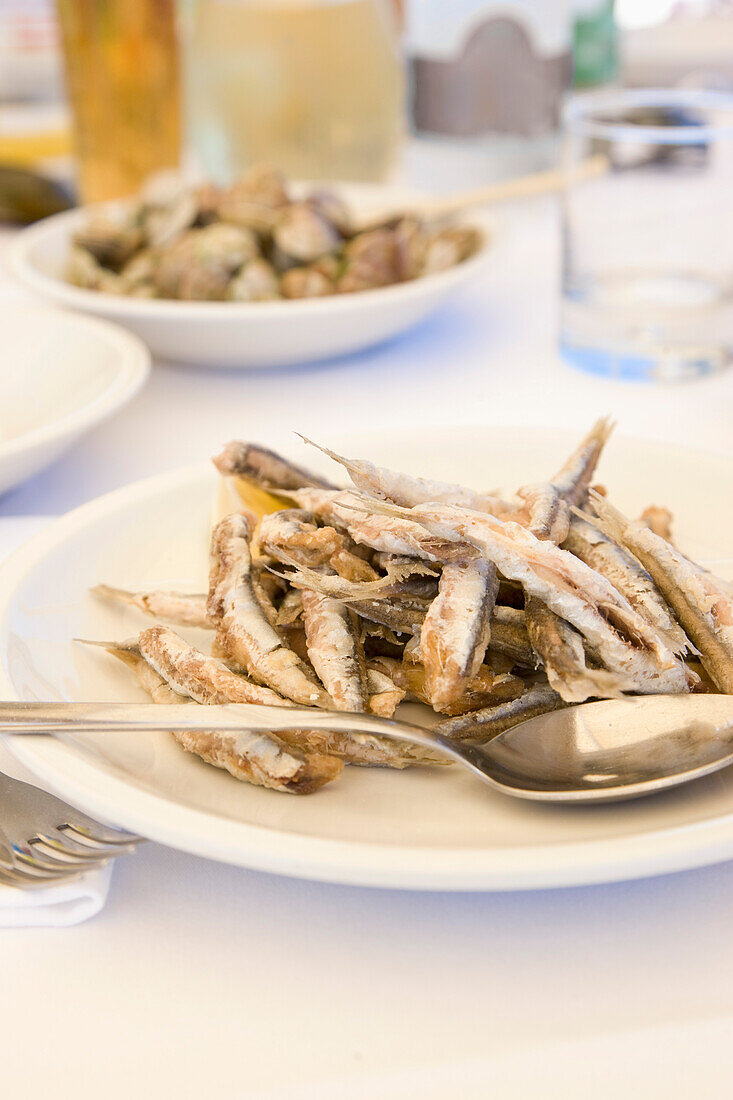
(614, 749)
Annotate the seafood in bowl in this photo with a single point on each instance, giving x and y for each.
(485, 608)
(210, 293)
(255, 241)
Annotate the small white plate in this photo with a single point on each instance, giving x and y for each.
(428, 828)
(244, 335)
(61, 376)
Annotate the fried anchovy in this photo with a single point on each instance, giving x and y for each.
(481, 725)
(404, 616)
(243, 626)
(264, 760)
(389, 534)
(263, 592)
(624, 641)
(295, 533)
(151, 682)
(335, 650)
(509, 636)
(383, 561)
(457, 628)
(203, 678)
(261, 759)
(384, 695)
(484, 688)
(351, 567)
(333, 636)
(290, 609)
(265, 467)
(558, 645)
(338, 588)
(407, 490)
(175, 607)
(550, 502)
(362, 749)
(324, 752)
(625, 573)
(703, 607)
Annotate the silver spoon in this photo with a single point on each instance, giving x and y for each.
(595, 752)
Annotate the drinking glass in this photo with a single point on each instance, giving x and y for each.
(647, 281)
(313, 86)
(122, 73)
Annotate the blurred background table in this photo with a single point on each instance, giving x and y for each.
(488, 358)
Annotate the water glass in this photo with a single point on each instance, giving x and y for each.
(647, 281)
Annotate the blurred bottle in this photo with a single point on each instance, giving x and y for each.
(313, 86)
(595, 43)
(490, 75)
(122, 74)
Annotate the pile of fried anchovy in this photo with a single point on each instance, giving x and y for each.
(486, 609)
(253, 242)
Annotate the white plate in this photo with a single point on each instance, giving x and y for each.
(426, 828)
(246, 334)
(61, 376)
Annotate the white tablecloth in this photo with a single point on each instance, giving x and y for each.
(199, 979)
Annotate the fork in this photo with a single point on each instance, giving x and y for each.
(43, 841)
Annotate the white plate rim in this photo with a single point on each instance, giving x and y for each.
(133, 363)
(639, 855)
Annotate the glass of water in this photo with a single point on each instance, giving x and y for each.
(647, 282)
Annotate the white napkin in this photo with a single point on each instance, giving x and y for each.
(53, 906)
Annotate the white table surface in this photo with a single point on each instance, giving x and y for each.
(199, 979)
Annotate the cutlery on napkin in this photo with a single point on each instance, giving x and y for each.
(69, 902)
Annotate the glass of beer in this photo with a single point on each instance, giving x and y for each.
(122, 74)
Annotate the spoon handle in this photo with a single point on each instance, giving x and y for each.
(22, 719)
(38, 718)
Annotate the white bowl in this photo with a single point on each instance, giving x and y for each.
(423, 828)
(247, 334)
(61, 376)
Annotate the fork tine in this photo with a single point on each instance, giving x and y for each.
(99, 834)
(44, 837)
(30, 859)
(18, 876)
(59, 856)
(29, 874)
(11, 877)
(64, 843)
